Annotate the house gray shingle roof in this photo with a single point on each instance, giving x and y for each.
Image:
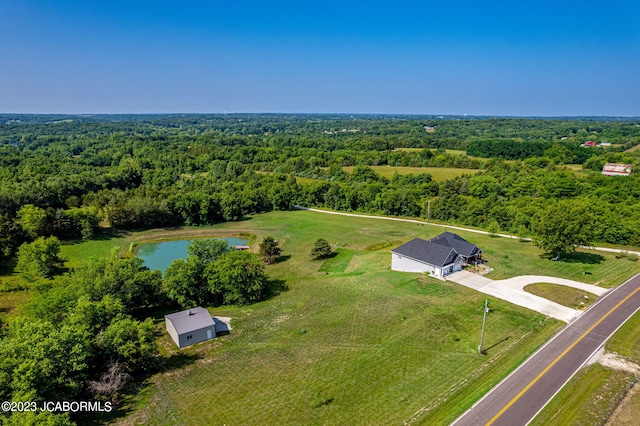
(428, 252)
(462, 247)
(190, 320)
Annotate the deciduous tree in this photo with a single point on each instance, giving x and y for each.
(238, 278)
(39, 259)
(563, 226)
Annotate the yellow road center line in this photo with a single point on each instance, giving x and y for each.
(555, 361)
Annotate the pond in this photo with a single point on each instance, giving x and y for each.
(160, 255)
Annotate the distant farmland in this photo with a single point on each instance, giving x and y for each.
(437, 173)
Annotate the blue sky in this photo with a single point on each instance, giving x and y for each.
(404, 57)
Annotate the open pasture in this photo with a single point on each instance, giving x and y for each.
(351, 341)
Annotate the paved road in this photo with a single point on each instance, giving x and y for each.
(519, 398)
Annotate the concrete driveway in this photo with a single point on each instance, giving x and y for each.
(512, 290)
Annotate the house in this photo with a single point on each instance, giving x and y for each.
(439, 256)
(588, 144)
(614, 169)
(189, 327)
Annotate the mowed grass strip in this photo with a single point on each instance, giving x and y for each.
(339, 261)
(626, 341)
(566, 296)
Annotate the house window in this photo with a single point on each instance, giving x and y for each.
(189, 337)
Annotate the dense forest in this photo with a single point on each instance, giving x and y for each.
(77, 177)
(69, 176)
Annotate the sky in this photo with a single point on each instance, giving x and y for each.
(507, 58)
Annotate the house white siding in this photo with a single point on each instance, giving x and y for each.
(406, 264)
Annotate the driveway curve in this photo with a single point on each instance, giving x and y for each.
(512, 290)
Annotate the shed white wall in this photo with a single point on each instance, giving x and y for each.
(172, 331)
(197, 336)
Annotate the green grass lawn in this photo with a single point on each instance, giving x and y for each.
(626, 341)
(511, 257)
(339, 262)
(77, 252)
(566, 296)
(378, 346)
(349, 341)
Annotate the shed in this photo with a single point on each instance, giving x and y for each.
(191, 326)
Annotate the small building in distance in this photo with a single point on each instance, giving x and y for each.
(615, 169)
(440, 256)
(191, 326)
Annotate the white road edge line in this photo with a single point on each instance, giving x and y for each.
(540, 349)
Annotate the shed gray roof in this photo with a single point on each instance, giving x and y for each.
(190, 320)
(428, 252)
(461, 246)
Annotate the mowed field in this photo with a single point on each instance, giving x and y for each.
(349, 341)
(437, 173)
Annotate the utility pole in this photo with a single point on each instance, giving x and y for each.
(428, 209)
(484, 320)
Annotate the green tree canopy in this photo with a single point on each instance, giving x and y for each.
(185, 283)
(39, 259)
(129, 341)
(270, 250)
(33, 220)
(563, 225)
(238, 278)
(39, 360)
(126, 279)
(207, 250)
